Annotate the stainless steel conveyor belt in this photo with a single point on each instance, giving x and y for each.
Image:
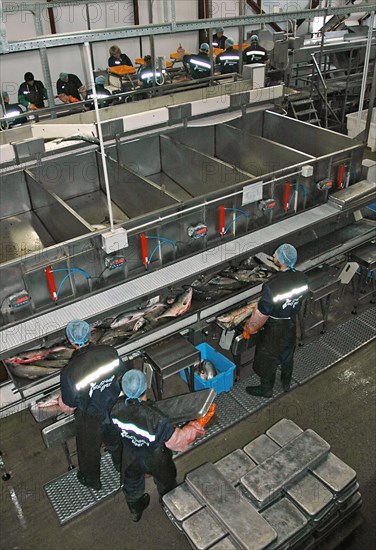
(20, 337)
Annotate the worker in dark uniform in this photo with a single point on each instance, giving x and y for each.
(32, 93)
(148, 438)
(198, 65)
(276, 311)
(117, 58)
(104, 96)
(255, 53)
(89, 388)
(229, 59)
(219, 39)
(69, 88)
(146, 77)
(10, 110)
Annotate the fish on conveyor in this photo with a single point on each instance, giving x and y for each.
(114, 337)
(30, 371)
(247, 276)
(206, 294)
(129, 318)
(51, 363)
(28, 356)
(225, 283)
(180, 306)
(60, 355)
(96, 334)
(232, 318)
(56, 352)
(51, 401)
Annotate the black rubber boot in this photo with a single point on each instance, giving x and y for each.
(136, 508)
(97, 485)
(286, 386)
(259, 391)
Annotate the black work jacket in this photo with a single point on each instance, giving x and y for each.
(70, 87)
(219, 42)
(229, 61)
(89, 381)
(282, 295)
(254, 54)
(34, 93)
(115, 62)
(199, 65)
(143, 427)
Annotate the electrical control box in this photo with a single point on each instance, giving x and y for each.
(307, 171)
(19, 300)
(115, 240)
(197, 231)
(114, 262)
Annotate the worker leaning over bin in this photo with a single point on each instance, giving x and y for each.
(148, 439)
(70, 88)
(32, 93)
(89, 388)
(275, 314)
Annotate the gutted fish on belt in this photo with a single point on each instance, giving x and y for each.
(25, 357)
(233, 318)
(246, 275)
(128, 319)
(30, 371)
(180, 306)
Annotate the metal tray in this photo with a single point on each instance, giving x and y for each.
(189, 406)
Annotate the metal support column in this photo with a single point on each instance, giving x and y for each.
(44, 61)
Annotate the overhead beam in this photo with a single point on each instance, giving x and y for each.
(100, 35)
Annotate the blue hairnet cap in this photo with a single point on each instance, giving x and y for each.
(219, 29)
(63, 76)
(286, 254)
(133, 384)
(254, 38)
(78, 332)
(205, 47)
(229, 42)
(5, 94)
(100, 80)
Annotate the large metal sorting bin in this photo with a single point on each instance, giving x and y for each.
(31, 218)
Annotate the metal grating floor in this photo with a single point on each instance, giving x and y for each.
(69, 498)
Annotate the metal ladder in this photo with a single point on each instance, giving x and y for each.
(305, 110)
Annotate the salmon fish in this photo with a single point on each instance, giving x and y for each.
(180, 306)
(233, 318)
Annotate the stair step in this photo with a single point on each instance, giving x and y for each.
(305, 112)
(301, 101)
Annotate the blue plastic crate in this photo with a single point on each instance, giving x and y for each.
(224, 380)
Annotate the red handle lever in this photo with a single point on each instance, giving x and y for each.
(51, 282)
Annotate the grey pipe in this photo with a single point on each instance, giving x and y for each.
(365, 71)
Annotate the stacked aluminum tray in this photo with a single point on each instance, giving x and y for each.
(284, 489)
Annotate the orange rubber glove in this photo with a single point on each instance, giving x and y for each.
(73, 99)
(209, 415)
(246, 336)
(33, 107)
